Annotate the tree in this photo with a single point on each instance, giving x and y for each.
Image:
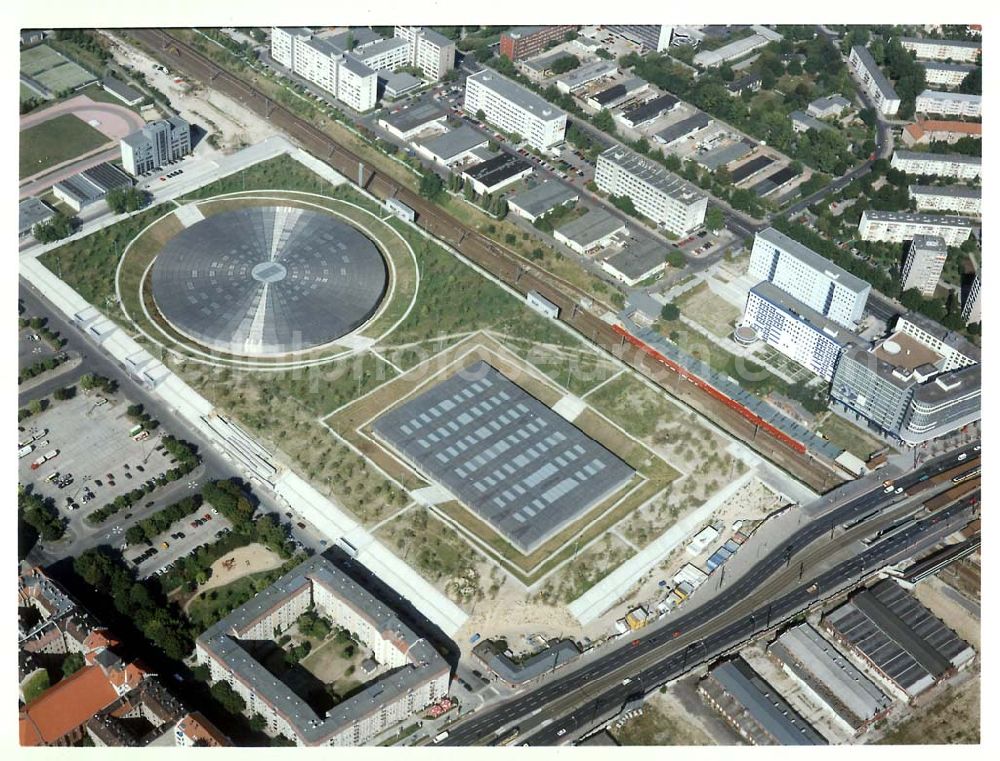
(431, 186)
(481, 115)
(676, 259)
(604, 121)
(36, 685)
(72, 663)
(57, 228)
(121, 200)
(565, 63)
(714, 218)
(670, 313)
(227, 697)
(135, 534)
(257, 723)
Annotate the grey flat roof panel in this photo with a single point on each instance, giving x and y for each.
(544, 197)
(650, 109)
(954, 158)
(31, 211)
(750, 168)
(723, 155)
(517, 94)
(947, 43)
(683, 128)
(497, 169)
(455, 142)
(510, 461)
(592, 226)
(955, 191)
(414, 116)
(881, 81)
(637, 260)
(817, 261)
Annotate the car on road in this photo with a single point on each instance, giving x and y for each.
(561, 732)
(635, 642)
(300, 525)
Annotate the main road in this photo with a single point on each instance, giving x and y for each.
(684, 640)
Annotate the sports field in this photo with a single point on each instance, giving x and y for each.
(60, 139)
(53, 70)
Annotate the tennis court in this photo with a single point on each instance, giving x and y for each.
(53, 70)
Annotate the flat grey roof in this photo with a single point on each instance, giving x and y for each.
(31, 211)
(945, 95)
(955, 191)
(542, 62)
(637, 261)
(514, 462)
(764, 704)
(362, 36)
(222, 641)
(952, 158)
(928, 243)
(399, 81)
(557, 654)
(650, 109)
(515, 93)
(901, 636)
(683, 128)
(811, 122)
(654, 174)
(812, 259)
(944, 66)
(436, 37)
(497, 169)
(881, 81)
(610, 94)
(357, 66)
(414, 115)
(844, 689)
(597, 223)
(381, 46)
(723, 155)
(948, 220)
(950, 385)
(543, 198)
(832, 100)
(587, 73)
(121, 89)
(455, 143)
(795, 309)
(947, 43)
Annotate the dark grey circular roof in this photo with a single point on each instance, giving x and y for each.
(268, 280)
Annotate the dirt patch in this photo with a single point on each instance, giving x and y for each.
(243, 561)
(664, 721)
(953, 718)
(932, 593)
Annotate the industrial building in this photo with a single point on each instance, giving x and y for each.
(637, 261)
(931, 130)
(830, 106)
(957, 165)
(394, 85)
(497, 173)
(514, 462)
(156, 144)
(30, 212)
(90, 186)
(584, 75)
(875, 83)
(754, 708)
(454, 146)
(618, 93)
(664, 198)
(514, 109)
(897, 226)
(594, 230)
(945, 103)
(908, 647)
(683, 129)
(648, 111)
(754, 166)
(335, 68)
(541, 199)
(920, 382)
(737, 48)
(947, 74)
(748, 83)
(924, 263)
(797, 331)
(651, 37)
(972, 309)
(957, 198)
(410, 673)
(943, 50)
(827, 675)
(810, 278)
(412, 119)
(525, 41)
(125, 93)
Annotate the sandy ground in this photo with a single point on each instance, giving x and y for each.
(665, 720)
(208, 109)
(250, 559)
(930, 593)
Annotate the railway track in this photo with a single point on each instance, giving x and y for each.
(494, 258)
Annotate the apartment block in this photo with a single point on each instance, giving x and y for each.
(666, 199)
(526, 41)
(943, 50)
(972, 309)
(332, 66)
(155, 145)
(947, 74)
(955, 165)
(931, 130)
(797, 331)
(958, 198)
(949, 104)
(808, 277)
(515, 109)
(925, 258)
(431, 51)
(875, 83)
(898, 226)
(651, 37)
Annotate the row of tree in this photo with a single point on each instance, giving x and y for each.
(149, 528)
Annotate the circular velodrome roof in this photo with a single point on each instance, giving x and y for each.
(268, 280)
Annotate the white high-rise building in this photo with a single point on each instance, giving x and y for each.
(431, 51)
(798, 332)
(898, 226)
(924, 263)
(943, 50)
(947, 74)
(972, 310)
(812, 279)
(876, 84)
(652, 37)
(956, 165)
(957, 198)
(665, 198)
(949, 104)
(341, 73)
(514, 109)
(155, 144)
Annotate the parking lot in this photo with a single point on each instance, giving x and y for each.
(95, 453)
(31, 348)
(182, 538)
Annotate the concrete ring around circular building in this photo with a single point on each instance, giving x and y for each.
(268, 280)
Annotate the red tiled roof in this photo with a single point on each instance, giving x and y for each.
(918, 129)
(64, 707)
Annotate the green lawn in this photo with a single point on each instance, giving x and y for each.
(54, 141)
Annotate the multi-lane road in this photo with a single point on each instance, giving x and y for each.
(573, 701)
